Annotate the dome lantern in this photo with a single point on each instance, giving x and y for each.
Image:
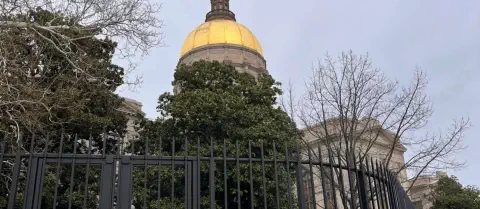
(220, 9)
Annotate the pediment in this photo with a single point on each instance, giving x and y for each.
(131, 109)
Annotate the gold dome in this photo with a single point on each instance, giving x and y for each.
(221, 32)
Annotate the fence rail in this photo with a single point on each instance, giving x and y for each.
(69, 172)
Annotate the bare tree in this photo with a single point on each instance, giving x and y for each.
(353, 109)
(29, 29)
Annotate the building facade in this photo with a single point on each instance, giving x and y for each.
(421, 191)
(373, 141)
(133, 112)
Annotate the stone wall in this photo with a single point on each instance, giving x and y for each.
(133, 112)
(242, 58)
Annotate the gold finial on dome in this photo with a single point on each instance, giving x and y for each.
(220, 10)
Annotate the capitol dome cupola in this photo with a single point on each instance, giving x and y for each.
(221, 38)
(220, 9)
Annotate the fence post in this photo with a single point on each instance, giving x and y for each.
(31, 187)
(362, 186)
(300, 187)
(125, 183)
(211, 177)
(13, 189)
(107, 185)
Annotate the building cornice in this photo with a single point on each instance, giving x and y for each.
(221, 46)
(384, 132)
(129, 109)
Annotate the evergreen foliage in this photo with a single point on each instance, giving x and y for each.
(450, 194)
(54, 101)
(218, 105)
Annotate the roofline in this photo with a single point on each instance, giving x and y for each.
(127, 104)
(401, 147)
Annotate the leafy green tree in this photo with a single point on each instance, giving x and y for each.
(57, 83)
(217, 102)
(43, 91)
(450, 194)
(221, 107)
(58, 102)
(49, 48)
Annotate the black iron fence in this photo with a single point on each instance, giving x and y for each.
(70, 172)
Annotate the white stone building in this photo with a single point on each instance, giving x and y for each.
(421, 191)
(378, 149)
(133, 111)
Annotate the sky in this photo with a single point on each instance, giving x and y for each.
(440, 36)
